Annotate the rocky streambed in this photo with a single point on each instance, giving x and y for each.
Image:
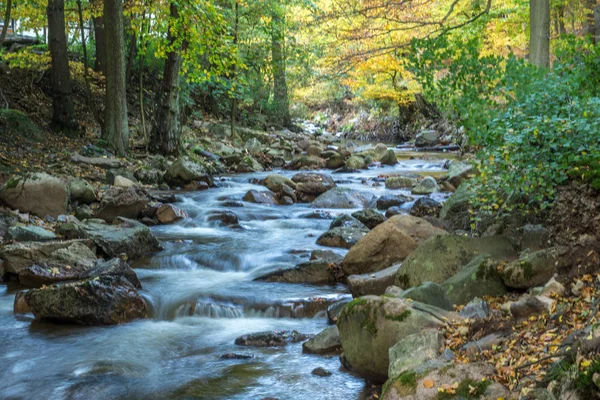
(215, 281)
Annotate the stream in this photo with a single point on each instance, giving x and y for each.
(202, 295)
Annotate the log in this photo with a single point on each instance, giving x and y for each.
(19, 40)
(105, 163)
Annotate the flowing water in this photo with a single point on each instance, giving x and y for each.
(202, 295)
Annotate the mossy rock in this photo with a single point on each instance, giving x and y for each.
(14, 123)
(369, 326)
(441, 257)
(479, 278)
(534, 269)
(455, 210)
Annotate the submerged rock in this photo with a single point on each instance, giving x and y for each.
(388, 201)
(254, 196)
(342, 236)
(105, 300)
(271, 338)
(314, 272)
(369, 217)
(426, 186)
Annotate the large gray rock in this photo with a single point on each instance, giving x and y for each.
(105, 300)
(441, 257)
(373, 283)
(387, 244)
(477, 279)
(55, 254)
(342, 236)
(29, 234)
(426, 186)
(81, 191)
(184, 171)
(369, 326)
(311, 185)
(264, 197)
(427, 293)
(343, 197)
(428, 138)
(122, 202)
(414, 350)
(530, 270)
(327, 341)
(314, 272)
(129, 238)
(40, 194)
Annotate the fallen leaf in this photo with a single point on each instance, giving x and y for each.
(428, 383)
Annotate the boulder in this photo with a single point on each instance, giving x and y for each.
(455, 211)
(29, 234)
(479, 278)
(401, 181)
(265, 197)
(427, 138)
(425, 207)
(271, 338)
(346, 220)
(343, 236)
(121, 181)
(273, 182)
(459, 172)
(7, 219)
(320, 371)
(325, 342)
(39, 193)
(534, 238)
(314, 272)
(104, 300)
(388, 158)
(168, 214)
(527, 306)
(112, 174)
(414, 350)
(81, 191)
(369, 326)
(150, 176)
(55, 254)
(122, 202)
(249, 164)
(387, 244)
(355, 162)
(390, 200)
(426, 186)
(306, 162)
(128, 238)
(184, 171)
(476, 309)
(312, 184)
(314, 150)
(335, 161)
(36, 276)
(101, 162)
(373, 283)
(441, 257)
(343, 197)
(427, 293)
(253, 145)
(369, 217)
(533, 269)
(225, 218)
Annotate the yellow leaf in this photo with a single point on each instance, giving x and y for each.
(428, 383)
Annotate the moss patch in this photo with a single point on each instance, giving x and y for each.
(16, 123)
(400, 317)
(405, 384)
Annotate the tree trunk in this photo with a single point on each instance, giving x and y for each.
(164, 138)
(116, 128)
(597, 23)
(131, 55)
(63, 116)
(539, 39)
(589, 24)
(6, 21)
(280, 92)
(234, 75)
(100, 40)
(562, 30)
